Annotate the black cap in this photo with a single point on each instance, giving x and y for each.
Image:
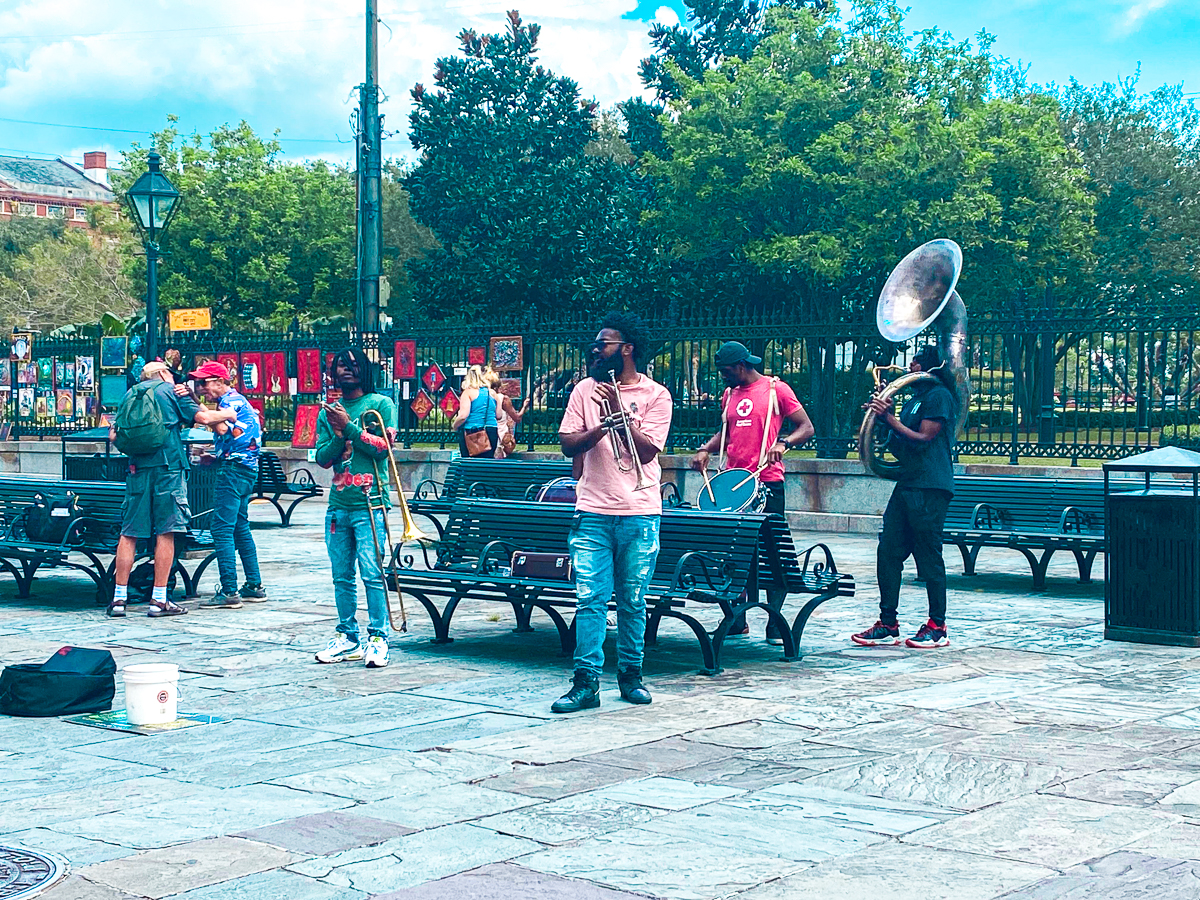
(929, 357)
(732, 353)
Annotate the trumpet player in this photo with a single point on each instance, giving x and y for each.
(352, 451)
(615, 425)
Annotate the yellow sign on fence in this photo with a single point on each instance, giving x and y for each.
(190, 319)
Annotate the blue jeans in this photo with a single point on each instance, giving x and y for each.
(231, 524)
(348, 540)
(611, 553)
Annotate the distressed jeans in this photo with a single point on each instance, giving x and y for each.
(348, 540)
(231, 524)
(611, 554)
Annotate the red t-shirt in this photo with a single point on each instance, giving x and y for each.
(746, 409)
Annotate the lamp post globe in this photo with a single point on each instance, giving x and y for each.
(153, 202)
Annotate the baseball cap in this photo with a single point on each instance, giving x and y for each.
(732, 353)
(211, 369)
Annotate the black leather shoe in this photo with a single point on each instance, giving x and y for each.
(584, 694)
(630, 682)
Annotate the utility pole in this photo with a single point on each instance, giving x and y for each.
(370, 175)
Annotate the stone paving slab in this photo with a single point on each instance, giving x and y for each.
(163, 873)
(506, 880)
(324, 833)
(1119, 876)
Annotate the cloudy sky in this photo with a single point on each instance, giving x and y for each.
(112, 70)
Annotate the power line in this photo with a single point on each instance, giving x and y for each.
(147, 133)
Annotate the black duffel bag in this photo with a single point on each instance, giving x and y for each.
(50, 516)
(74, 680)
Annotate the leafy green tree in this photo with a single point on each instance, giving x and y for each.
(525, 214)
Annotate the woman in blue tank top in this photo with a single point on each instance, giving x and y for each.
(476, 412)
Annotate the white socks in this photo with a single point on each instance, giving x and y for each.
(120, 594)
(160, 594)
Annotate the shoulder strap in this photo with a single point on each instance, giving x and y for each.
(772, 409)
(724, 428)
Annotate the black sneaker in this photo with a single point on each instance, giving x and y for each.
(773, 637)
(222, 600)
(929, 637)
(253, 593)
(584, 694)
(878, 635)
(632, 690)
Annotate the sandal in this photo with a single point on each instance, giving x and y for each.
(158, 610)
(116, 609)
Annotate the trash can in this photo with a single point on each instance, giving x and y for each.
(1152, 550)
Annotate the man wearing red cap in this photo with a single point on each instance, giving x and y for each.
(237, 446)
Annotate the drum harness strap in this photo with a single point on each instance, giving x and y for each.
(772, 409)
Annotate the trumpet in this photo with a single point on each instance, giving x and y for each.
(377, 500)
(618, 419)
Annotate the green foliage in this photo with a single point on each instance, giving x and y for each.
(525, 215)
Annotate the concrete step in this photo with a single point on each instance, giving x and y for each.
(840, 523)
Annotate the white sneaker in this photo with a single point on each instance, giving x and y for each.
(377, 652)
(340, 649)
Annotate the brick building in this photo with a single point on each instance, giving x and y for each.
(54, 188)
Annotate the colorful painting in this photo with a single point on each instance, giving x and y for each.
(308, 370)
(5, 375)
(22, 347)
(275, 379)
(46, 371)
(60, 374)
(304, 429)
(508, 353)
(27, 372)
(476, 356)
(25, 402)
(45, 401)
(449, 404)
(68, 372)
(113, 350)
(260, 408)
(64, 404)
(85, 374)
(230, 362)
(404, 360)
(433, 378)
(251, 371)
(422, 405)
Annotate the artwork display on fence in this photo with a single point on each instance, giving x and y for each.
(5, 430)
(22, 347)
(113, 350)
(64, 404)
(308, 370)
(5, 376)
(46, 371)
(260, 408)
(404, 360)
(85, 374)
(251, 370)
(422, 405)
(230, 362)
(275, 379)
(45, 402)
(449, 404)
(112, 389)
(508, 353)
(304, 428)
(433, 378)
(25, 402)
(476, 356)
(27, 372)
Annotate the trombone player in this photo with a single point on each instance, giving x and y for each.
(353, 452)
(614, 427)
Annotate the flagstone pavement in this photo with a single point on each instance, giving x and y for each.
(1031, 759)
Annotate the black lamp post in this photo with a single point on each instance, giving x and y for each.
(153, 201)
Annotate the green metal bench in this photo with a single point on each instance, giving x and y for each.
(274, 484)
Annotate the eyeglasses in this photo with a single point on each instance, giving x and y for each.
(600, 345)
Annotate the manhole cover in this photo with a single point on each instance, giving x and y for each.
(24, 873)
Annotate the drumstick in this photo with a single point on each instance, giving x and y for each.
(708, 485)
(752, 475)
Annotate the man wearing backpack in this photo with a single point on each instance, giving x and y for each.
(148, 429)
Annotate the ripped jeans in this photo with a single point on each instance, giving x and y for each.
(611, 554)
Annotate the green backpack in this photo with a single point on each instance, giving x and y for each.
(139, 422)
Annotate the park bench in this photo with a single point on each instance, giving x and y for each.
(709, 558)
(273, 485)
(1035, 516)
(93, 535)
(499, 479)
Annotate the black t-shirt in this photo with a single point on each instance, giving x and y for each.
(177, 413)
(926, 464)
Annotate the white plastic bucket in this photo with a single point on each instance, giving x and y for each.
(151, 693)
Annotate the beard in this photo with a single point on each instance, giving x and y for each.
(602, 367)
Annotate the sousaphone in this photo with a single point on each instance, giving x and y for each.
(918, 294)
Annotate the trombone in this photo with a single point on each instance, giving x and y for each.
(377, 500)
(618, 419)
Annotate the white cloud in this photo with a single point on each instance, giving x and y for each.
(288, 64)
(1137, 12)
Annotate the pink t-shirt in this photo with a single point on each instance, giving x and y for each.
(604, 488)
(746, 409)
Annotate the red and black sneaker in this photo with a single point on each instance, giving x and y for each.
(930, 636)
(878, 635)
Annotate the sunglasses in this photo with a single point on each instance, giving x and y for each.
(600, 345)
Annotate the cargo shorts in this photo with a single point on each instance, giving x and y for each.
(155, 502)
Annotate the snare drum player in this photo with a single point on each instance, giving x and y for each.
(614, 536)
(753, 410)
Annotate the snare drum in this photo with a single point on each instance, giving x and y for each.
(560, 490)
(734, 490)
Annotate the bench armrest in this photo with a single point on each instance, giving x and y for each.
(1074, 521)
(481, 489)
(492, 553)
(818, 567)
(428, 490)
(531, 492)
(402, 560)
(669, 492)
(987, 517)
(696, 567)
(303, 478)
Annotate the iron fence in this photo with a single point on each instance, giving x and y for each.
(1059, 386)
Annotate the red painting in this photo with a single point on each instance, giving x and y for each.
(275, 379)
(449, 403)
(251, 372)
(230, 362)
(476, 356)
(304, 430)
(404, 360)
(433, 377)
(259, 408)
(308, 370)
(422, 405)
